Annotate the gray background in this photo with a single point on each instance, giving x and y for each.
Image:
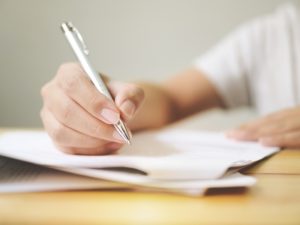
(129, 40)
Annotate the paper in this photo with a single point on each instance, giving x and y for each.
(18, 176)
(165, 155)
(233, 180)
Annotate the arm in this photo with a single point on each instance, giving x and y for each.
(79, 119)
(182, 95)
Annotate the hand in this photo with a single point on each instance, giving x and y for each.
(280, 129)
(79, 119)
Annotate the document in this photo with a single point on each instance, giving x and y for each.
(169, 159)
(19, 176)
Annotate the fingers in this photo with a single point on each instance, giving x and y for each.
(128, 98)
(286, 140)
(252, 132)
(70, 114)
(109, 148)
(73, 142)
(65, 136)
(278, 129)
(78, 87)
(265, 127)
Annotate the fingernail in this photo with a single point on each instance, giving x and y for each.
(113, 146)
(118, 137)
(110, 116)
(267, 141)
(238, 134)
(230, 133)
(233, 133)
(128, 107)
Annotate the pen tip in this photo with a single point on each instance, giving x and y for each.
(124, 132)
(128, 141)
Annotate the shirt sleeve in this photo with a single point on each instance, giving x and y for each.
(229, 63)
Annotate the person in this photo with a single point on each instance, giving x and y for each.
(257, 65)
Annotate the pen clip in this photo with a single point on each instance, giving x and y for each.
(78, 35)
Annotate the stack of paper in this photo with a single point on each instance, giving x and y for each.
(173, 160)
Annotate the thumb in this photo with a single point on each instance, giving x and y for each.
(128, 98)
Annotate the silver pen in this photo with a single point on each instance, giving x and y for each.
(77, 44)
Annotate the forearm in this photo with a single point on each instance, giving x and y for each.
(182, 95)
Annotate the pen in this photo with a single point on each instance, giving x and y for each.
(80, 49)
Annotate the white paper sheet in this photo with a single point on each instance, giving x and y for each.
(165, 155)
(19, 176)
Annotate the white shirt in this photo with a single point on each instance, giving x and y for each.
(259, 64)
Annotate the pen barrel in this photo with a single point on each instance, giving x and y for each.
(86, 65)
(93, 75)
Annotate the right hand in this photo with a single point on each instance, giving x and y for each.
(79, 119)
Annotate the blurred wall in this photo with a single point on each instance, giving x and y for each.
(128, 39)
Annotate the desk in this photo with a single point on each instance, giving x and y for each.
(275, 199)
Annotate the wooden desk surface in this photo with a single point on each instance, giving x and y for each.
(275, 199)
